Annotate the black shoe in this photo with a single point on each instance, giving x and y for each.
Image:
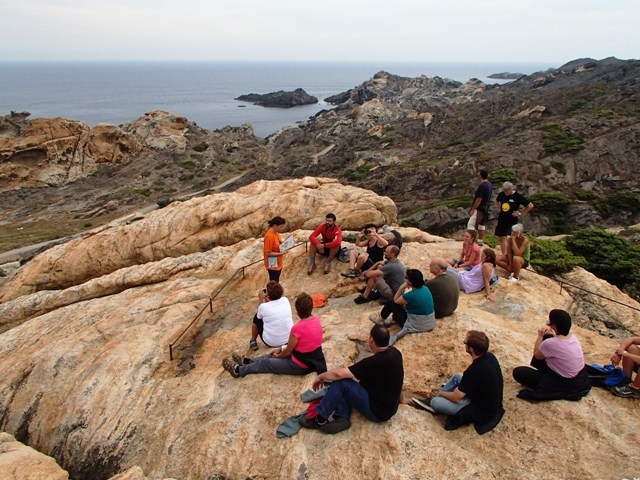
(339, 424)
(360, 300)
(361, 290)
(306, 422)
(424, 404)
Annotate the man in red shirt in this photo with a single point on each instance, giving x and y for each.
(326, 240)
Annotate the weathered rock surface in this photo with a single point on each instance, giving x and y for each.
(19, 462)
(280, 99)
(89, 382)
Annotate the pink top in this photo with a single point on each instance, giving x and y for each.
(466, 253)
(564, 357)
(309, 335)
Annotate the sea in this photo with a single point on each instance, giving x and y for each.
(203, 92)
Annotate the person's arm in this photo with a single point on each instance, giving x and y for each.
(313, 238)
(337, 239)
(291, 345)
(486, 273)
(476, 204)
(622, 348)
(470, 260)
(397, 298)
(373, 272)
(339, 373)
(454, 396)
(527, 209)
(382, 242)
(519, 250)
(536, 347)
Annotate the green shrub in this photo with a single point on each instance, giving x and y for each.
(201, 147)
(550, 202)
(145, 173)
(559, 140)
(2, 274)
(463, 201)
(620, 201)
(188, 165)
(551, 257)
(142, 191)
(196, 156)
(491, 240)
(585, 195)
(576, 104)
(501, 175)
(560, 167)
(607, 113)
(358, 174)
(453, 143)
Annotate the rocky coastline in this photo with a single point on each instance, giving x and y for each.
(280, 99)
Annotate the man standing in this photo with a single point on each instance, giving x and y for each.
(474, 396)
(326, 240)
(385, 276)
(511, 206)
(372, 386)
(479, 212)
(444, 288)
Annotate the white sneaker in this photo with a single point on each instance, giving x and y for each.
(510, 275)
(514, 279)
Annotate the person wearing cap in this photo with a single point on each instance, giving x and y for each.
(511, 206)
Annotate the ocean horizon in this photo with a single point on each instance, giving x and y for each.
(204, 92)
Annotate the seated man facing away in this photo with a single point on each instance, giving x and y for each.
(629, 353)
(474, 396)
(385, 276)
(273, 320)
(326, 240)
(557, 369)
(361, 261)
(372, 386)
(444, 288)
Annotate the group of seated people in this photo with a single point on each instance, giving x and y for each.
(373, 385)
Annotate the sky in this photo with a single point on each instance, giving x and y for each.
(553, 31)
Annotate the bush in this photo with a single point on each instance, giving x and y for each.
(585, 195)
(559, 140)
(620, 201)
(551, 257)
(454, 202)
(188, 164)
(560, 167)
(201, 147)
(501, 175)
(556, 206)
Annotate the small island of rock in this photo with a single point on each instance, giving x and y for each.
(280, 99)
(506, 76)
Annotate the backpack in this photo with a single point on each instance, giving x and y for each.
(606, 376)
(343, 254)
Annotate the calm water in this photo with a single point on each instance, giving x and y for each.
(204, 92)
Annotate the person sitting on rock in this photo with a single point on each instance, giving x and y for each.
(301, 355)
(372, 386)
(479, 277)
(326, 240)
(470, 254)
(444, 288)
(412, 310)
(385, 277)
(392, 236)
(629, 354)
(557, 370)
(273, 320)
(518, 253)
(361, 261)
(474, 396)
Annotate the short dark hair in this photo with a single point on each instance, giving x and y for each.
(380, 335)
(478, 341)
(331, 216)
(415, 277)
(484, 174)
(393, 248)
(304, 305)
(274, 290)
(368, 226)
(276, 221)
(562, 321)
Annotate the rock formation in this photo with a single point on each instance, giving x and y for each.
(280, 99)
(88, 380)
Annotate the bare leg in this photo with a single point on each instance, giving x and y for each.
(516, 265)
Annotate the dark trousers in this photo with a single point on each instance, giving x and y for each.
(398, 311)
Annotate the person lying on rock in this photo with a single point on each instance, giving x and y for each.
(301, 355)
(518, 253)
(360, 261)
(372, 386)
(557, 370)
(385, 277)
(325, 240)
(474, 396)
(481, 276)
(629, 354)
(411, 308)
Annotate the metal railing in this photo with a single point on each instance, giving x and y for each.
(562, 284)
(220, 289)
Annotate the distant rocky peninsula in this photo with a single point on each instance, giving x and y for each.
(506, 76)
(280, 99)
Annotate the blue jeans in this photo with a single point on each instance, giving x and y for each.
(342, 396)
(446, 406)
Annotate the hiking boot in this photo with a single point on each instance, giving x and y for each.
(347, 273)
(231, 367)
(360, 300)
(240, 359)
(375, 318)
(361, 290)
(253, 344)
(510, 275)
(424, 404)
(339, 424)
(626, 391)
(327, 268)
(306, 422)
(311, 268)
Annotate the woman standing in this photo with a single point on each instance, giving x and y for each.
(273, 257)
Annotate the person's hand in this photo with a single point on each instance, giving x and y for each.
(317, 384)
(275, 352)
(321, 247)
(490, 298)
(615, 358)
(471, 211)
(542, 331)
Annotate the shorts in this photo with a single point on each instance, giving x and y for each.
(526, 263)
(478, 220)
(504, 229)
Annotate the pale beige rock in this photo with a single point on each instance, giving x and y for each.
(90, 382)
(19, 462)
(160, 130)
(198, 225)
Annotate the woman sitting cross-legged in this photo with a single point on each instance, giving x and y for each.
(301, 355)
(479, 277)
(470, 254)
(518, 253)
(412, 310)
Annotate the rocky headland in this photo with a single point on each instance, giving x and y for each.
(280, 99)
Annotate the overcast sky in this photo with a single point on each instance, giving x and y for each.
(553, 31)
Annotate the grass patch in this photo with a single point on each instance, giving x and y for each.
(560, 167)
(501, 175)
(201, 147)
(560, 140)
(188, 165)
(463, 201)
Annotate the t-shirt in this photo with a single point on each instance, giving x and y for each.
(564, 357)
(482, 383)
(394, 273)
(509, 204)
(381, 375)
(484, 190)
(445, 292)
(419, 301)
(309, 335)
(277, 319)
(272, 244)
(466, 253)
